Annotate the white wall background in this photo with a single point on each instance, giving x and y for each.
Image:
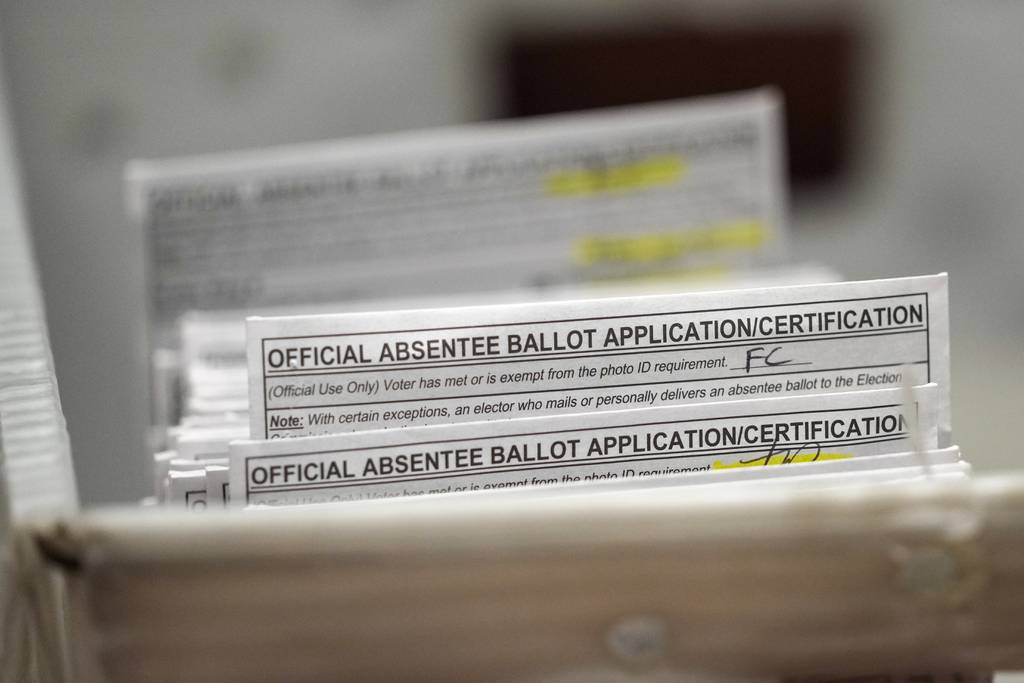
(93, 83)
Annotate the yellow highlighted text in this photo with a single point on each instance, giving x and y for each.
(652, 172)
(780, 459)
(663, 246)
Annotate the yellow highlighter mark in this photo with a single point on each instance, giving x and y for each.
(741, 235)
(780, 459)
(654, 171)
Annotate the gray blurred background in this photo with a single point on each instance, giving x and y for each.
(926, 171)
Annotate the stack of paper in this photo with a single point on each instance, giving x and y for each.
(657, 199)
(409, 403)
(604, 376)
(212, 378)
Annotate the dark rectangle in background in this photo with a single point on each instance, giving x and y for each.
(811, 63)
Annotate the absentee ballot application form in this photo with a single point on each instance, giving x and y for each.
(336, 373)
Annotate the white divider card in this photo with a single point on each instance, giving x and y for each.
(188, 489)
(217, 494)
(685, 186)
(566, 449)
(330, 374)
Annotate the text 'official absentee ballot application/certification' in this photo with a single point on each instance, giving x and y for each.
(565, 449)
(336, 373)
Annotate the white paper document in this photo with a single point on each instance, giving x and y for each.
(892, 468)
(331, 374)
(693, 186)
(566, 449)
